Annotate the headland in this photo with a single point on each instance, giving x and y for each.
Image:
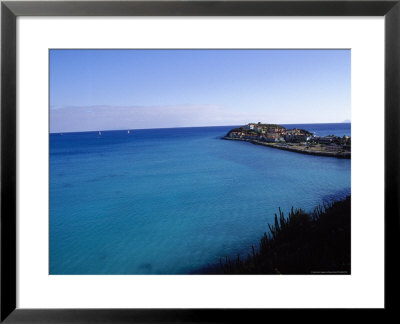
(295, 140)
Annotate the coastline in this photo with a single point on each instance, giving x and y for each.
(341, 155)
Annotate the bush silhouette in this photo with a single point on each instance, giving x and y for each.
(302, 243)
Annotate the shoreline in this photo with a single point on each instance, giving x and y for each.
(344, 155)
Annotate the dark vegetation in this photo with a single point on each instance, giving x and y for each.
(270, 125)
(302, 243)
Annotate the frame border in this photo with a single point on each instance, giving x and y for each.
(10, 10)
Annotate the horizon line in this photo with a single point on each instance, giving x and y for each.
(132, 129)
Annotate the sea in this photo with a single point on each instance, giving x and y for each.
(175, 201)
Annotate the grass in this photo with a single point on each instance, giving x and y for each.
(301, 243)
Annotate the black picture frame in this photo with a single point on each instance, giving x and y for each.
(10, 10)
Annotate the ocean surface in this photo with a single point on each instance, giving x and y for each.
(172, 201)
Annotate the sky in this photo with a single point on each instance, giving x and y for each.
(135, 89)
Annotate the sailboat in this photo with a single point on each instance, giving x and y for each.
(99, 133)
(129, 131)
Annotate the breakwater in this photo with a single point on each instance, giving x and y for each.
(294, 148)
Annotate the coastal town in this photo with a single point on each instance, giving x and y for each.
(296, 140)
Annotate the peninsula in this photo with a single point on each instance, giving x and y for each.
(295, 140)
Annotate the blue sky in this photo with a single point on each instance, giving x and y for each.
(131, 89)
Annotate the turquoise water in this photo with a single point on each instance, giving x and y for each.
(171, 201)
